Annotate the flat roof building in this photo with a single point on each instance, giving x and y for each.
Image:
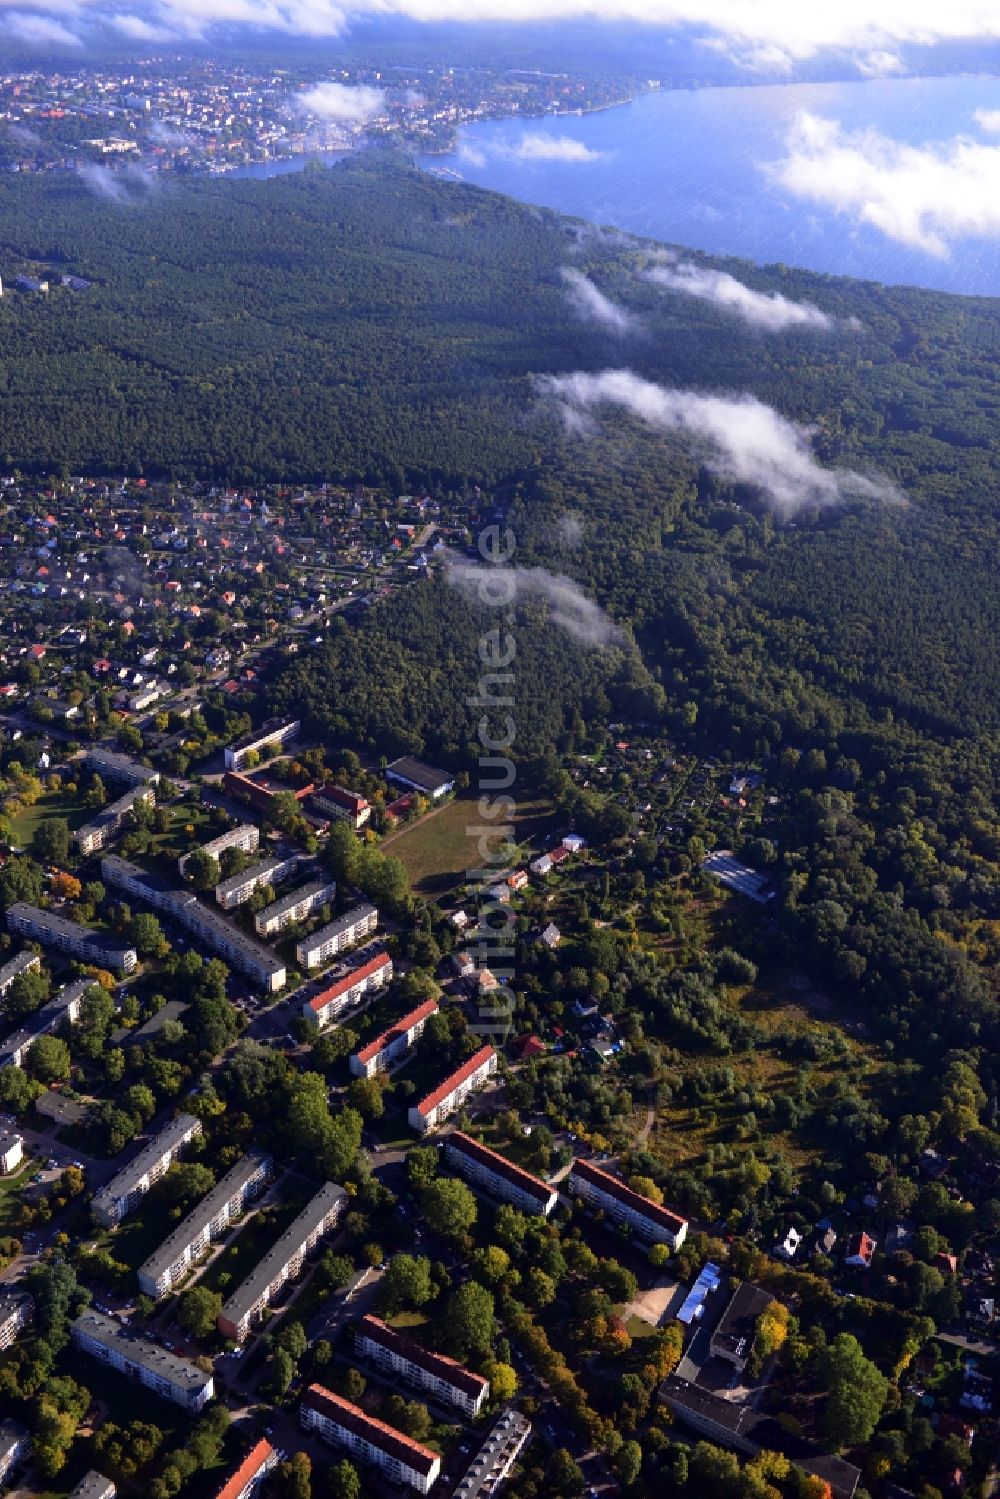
(647, 1219)
(297, 905)
(736, 1331)
(16, 1311)
(245, 837)
(79, 942)
(398, 1457)
(15, 1444)
(94, 1485)
(325, 1006)
(207, 1220)
(498, 1176)
(132, 1182)
(63, 1009)
(282, 1262)
(275, 731)
(431, 1373)
(166, 1374)
(111, 766)
(394, 1043)
(417, 775)
(14, 967)
(337, 936)
(452, 1093)
(495, 1458)
(109, 822)
(252, 1471)
(240, 887)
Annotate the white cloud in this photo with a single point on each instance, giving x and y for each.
(987, 119)
(769, 311)
(925, 196)
(39, 30)
(116, 186)
(338, 101)
(538, 146)
(569, 607)
(738, 436)
(590, 304)
(140, 30)
(880, 64)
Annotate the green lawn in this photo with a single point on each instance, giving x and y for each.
(439, 850)
(53, 804)
(9, 1188)
(250, 1245)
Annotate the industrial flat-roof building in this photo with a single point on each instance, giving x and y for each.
(79, 942)
(245, 837)
(14, 967)
(498, 1176)
(398, 1457)
(416, 775)
(452, 1093)
(431, 1373)
(240, 951)
(282, 1262)
(109, 822)
(16, 1311)
(277, 731)
(248, 1477)
(647, 1219)
(386, 1049)
(207, 1220)
(132, 1182)
(337, 936)
(164, 1373)
(240, 887)
(297, 905)
(325, 1006)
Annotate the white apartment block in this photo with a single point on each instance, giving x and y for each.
(277, 731)
(11, 1152)
(240, 887)
(132, 1182)
(252, 1471)
(431, 1373)
(111, 766)
(110, 820)
(23, 963)
(15, 1444)
(246, 838)
(452, 1093)
(297, 906)
(324, 1007)
(207, 1221)
(401, 1459)
(344, 932)
(94, 1485)
(70, 938)
(282, 1262)
(647, 1220)
(16, 1311)
(50, 1018)
(164, 1373)
(499, 1177)
(393, 1044)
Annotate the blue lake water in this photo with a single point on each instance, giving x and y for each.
(690, 167)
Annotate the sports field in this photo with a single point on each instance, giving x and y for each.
(439, 850)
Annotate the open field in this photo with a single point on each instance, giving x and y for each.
(55, 804)
(438, 851)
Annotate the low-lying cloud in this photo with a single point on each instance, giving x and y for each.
(568, 605)
(926, 196)
(340, 102)
(592, 306)
(769, 311)
(126, 186)
(738, 437)
(533, 146)
(39, 30)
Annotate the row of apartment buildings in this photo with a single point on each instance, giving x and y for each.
(282, 1262)
(62, 1010)
(298, 905)
(207, 1220)
(245, 837)
(239, 888)
(336, 937)
(608, 1194)
(80, 942)
(493, 1173)
(449, 1095)
(24, 962)
(129, 1185)
(166, 1374)
(328, 1004)
(241, 952)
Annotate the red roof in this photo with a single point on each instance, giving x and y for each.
(338, 990)
(400, 1028)
(616, 1188)
(381, 1435)
(247, 1470)
(426, 1105)
(529, 1046)
(348, 799)
(494, 1161)
(557, 855)
(438, 1364)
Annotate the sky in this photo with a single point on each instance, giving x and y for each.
(770, 35)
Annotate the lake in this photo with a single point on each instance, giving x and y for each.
(690, 166)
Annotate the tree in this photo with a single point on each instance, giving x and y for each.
(187, 1180)
(365, 1095)
(66, 886)
(343, 1481)
(469, 1320)
(201, 870)
(294, 1478)
(856, 1392)
(50, 841)
(48, 1060)
(628, 1463)
(406, 1282)
(280, 1373)
(146, 936)
(564, 1476)
(448, 1207)
(27, 994)
(502, 1378)
(198, 1311)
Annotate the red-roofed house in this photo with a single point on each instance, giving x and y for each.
(327, 1005)
(251, 1472)
(860, 1249)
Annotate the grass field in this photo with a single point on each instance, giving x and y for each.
(56, 804)
(9, 1188)
(438, 851)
